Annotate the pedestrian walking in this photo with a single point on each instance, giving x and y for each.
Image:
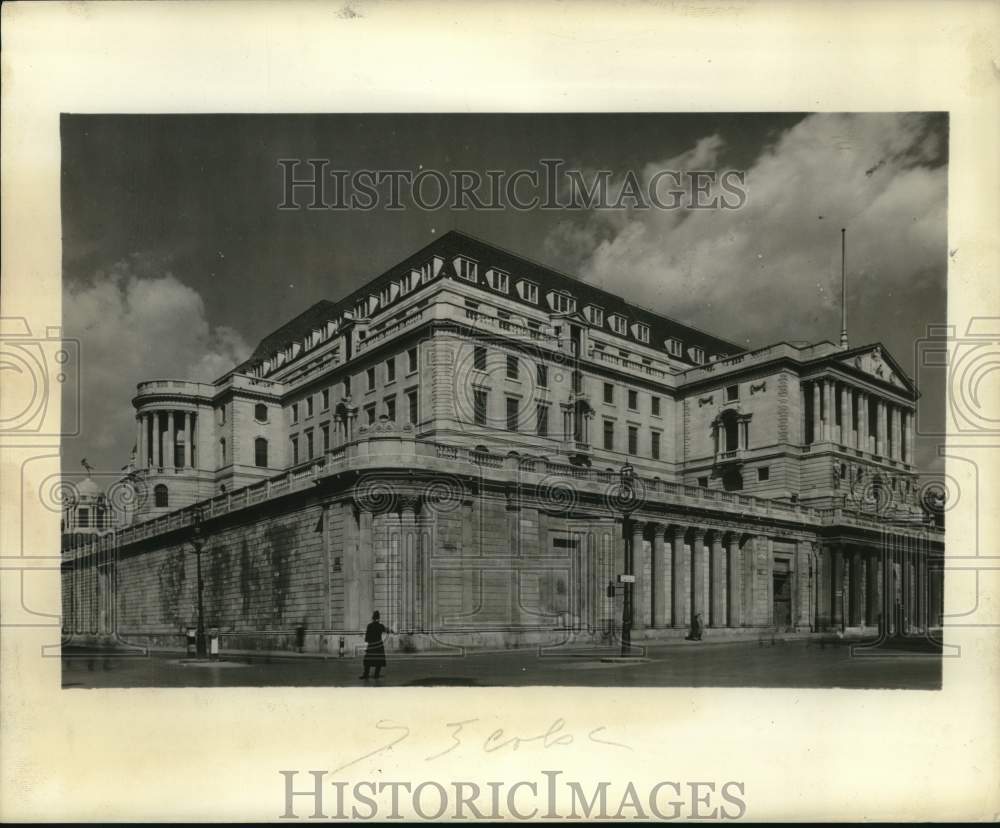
(375, 651)
(694, 634)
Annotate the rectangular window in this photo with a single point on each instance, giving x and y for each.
(594, 314)
(370, 374)
(764, 473)
(642, 333)
(619, 324)
(466, 269)
(411, 360)
(295, 412)
(654, 446)
(542, 419)
(325, 429)
(654, 405)
(542, 375)
(697, 355)
(512, 406)
(412, 406)
(479, 400)
(295, 451)
(528, 291)
(479, 358)
(609, 435)
(633, 400)
(326, 399)
(347, 386)
(577, 382)
(675, 347)
(609, 393)
(703, 482)
(390, 408)
(512, 367)
(633, 440)
(732, 393)
(390, 370)
(309, 406)
(370, 414)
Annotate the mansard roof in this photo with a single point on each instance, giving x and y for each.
(454, 244)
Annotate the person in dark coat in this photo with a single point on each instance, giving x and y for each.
(695, 632)
(375, 652)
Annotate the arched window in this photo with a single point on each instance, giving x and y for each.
(260, 452)
(160, 496)
(260, 413)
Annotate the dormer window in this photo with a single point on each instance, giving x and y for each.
(528, 291)
(466, 269)
(697, 354)
(498, 280)
(561, 302)
(618, 323)
(674, 347)
(640, 332)
(387, 294)
(361, 308)
(594, 315)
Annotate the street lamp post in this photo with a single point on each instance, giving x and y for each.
(627, 478)
(198, 541)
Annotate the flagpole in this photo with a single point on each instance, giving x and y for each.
(843, 288)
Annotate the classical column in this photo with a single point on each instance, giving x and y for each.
(189, 440)
(861, 399)
(880, 447)
(857, 593)
(171, 451)
(409, 562)
(681, 578)
(138, 440)
(640, 589)
(143, 453)
(908, 426)
(828, 410)
(660, 577)
(698, 573)
(734, 597)
(897, 433)
(803, 584)
(157, 441)
(845, 414)
(837, 586)
(749, 580)
(817, 416)
(717, 582)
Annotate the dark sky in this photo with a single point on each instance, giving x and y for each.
(177, 261)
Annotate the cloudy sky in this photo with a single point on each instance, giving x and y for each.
(177, 261)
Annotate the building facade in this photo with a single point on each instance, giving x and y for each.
(479, 446)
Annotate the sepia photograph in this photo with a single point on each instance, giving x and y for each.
(499, 411)
(602, 399)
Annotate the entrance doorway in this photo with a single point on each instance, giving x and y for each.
(782, 599)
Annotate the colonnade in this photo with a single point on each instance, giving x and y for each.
(867, 422)
(160, 434)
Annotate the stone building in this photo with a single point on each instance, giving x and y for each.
(447, 445)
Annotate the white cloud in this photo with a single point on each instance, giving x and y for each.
(135, 325)
(771, 270)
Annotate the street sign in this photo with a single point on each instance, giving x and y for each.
(626, 579)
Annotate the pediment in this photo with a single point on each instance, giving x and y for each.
(877, 363)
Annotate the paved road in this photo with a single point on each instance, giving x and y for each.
(788, 664)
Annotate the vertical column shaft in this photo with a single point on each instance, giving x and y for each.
(880, 448)
(698, 573)
(817, 416)
(640, 589)
(845, 415)
(827, 410)
(188, 440)
(681, 578)
(660, 577)
(734, 597)
(717, 575)
(171, 451)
